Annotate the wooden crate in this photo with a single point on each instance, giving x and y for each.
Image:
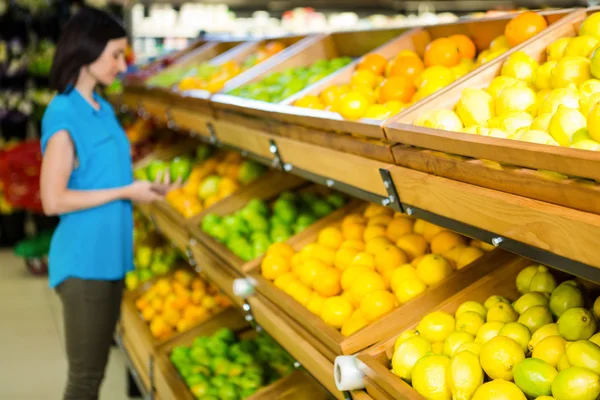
(573, 193)
(483, 31)
(266, 191)
(572, 162)
(169, 385)
(331, 338)
(136, 332)
(382, 384)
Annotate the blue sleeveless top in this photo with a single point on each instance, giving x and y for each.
(96, 243)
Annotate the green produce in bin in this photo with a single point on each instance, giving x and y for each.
(35, 252)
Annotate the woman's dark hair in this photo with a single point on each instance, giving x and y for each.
(82, 41)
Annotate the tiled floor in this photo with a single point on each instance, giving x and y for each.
(32, 358)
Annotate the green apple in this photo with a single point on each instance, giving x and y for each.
(156, 169)
(132, 280)
(143, 257)
(209, 187)
(145, 275)
(180, 168)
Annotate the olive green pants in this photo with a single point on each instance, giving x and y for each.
(91, 310)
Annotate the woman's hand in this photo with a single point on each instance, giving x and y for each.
(163, 184)
(143, 192)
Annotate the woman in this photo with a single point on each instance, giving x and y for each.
(87, 179)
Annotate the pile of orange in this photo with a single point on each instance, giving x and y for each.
(178, 303)
(367, 264)
(380, 88)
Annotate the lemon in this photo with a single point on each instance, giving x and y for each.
(568, 96)
(534, 377)
(563, 363)
(430, 377)
(550, 349)
(593, 122)
(488, 331)
(408, 289)
(543, 75)
(564, 123)
(595, 338)
(595, 63)
(556, 50)
(535, 317)
(502, 312)
(443, 119)
(542, 333)
(529, 300)
(591, 26)
(473, 130)
(565, 296)
(576, 384)
(436, 326)
(585, 354)
(464, 67)
(475, 107)
(589, 87)
(520, 66)
(454, 341)
(465, 375)
(437, 75)
(512, 122)
(499, 43)
(543, 281)
(499, 356)
(514, 99)
(472, 306)
(499, 389)
(524, 277)
(596, 308)
(569, 70)
(469, 322)
(433, 269)
(586, 145)
(407, 354)
(404, 336)
(495, 300)
(586, 103)
(540, 137)
(353, 324)
(437, 348)
(402, 273)
(517, 332)
(577, 324)
(545, 398)
(472, 347)
(581, 46)
(500, 83)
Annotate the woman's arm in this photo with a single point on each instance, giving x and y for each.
(57, 166)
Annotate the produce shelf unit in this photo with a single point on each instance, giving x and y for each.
(515, 207)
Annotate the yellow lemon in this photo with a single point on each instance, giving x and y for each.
(471, 306)
(488, 331)
(445, 120)
(520, 66)
(499, 389)
(466, 375)
(499, 356)
(433, 269)
(430, 377)
(556, 50)
(475, 107)
(455, 340)
(571, 70)
(407, 354)
(500, 83)
(495, 300)
(471, 347)
(436, 326)
(377, 304)
(581, 46)
(336, 311)
(550, 349)
(503, 313)
(517, 332)
(402, 273)
(542, 333)
(413, 245)
(408, 289)
(354, 324)
(568, 96)
(543, 75)
(593, 122)
(364, 284)
(404, 336)
(541, 122)
(513, 99)
(564, 123)
(349, 275)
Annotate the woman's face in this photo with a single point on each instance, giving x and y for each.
(110, 63)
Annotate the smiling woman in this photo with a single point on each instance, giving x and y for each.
(87, 179)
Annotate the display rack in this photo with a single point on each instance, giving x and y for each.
(518, 210)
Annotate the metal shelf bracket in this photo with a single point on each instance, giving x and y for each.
(190, 255)
(213, 134)
(277, 160)
(393, 199)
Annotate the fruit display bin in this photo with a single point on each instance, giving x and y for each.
(330, 337)
(169, 385)
(572, 162)
(136, 332)
(482, 31)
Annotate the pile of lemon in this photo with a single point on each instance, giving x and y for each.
(367, 264)
(544, 344)
(555, 103)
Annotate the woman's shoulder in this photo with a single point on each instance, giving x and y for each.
(59, 106)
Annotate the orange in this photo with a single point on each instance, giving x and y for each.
(442, 51)
(399, 227)
(315, 303)
(300, 293)
(353, 231)
(375, 63)
(184, 324)
(148, 314)
(413, 245)
(417, 260)
(467, 256)
(364, 78)
(382, 220)
(198, 284)
(310, 270)
(523, 27)
(182, 301)
(274, 47)
(157, 304)
(282, 281)
(374, 210)
(159, 328)
(445, 241)
(350, 274)
(364, 284)
(354, 324)
(391, 257)
(399, 88)
(197, 296)
(407, 66)
(453, 254)
(331, 95)
(365, 259)
(171, 317)
(419, 226)
(331, 237)
(377, 245)
(344, 257)
(433, 269)
(354, 219)
(319, 252)
(466, 47)
(274, 265)
(431, 230)
(373, 231)
(352, 105)
(336, 311)
(353, 244)
(327, 283)
(377, 304)
(387, 273)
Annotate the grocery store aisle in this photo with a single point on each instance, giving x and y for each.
(33, 364)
